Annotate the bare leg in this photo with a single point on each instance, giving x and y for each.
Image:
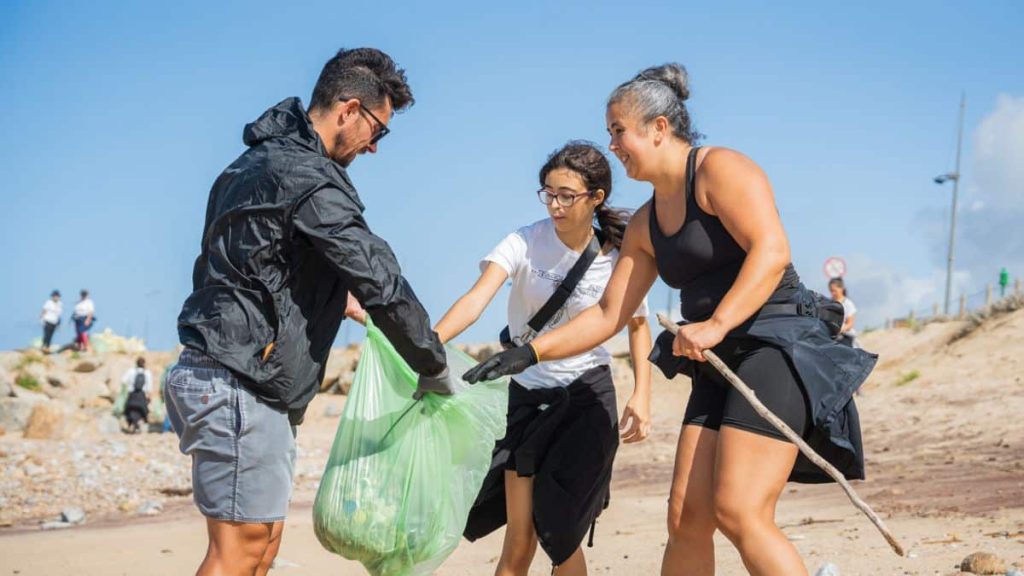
(751, 472)
(576, 565)
(235, 548)
(276, 532)
(690, 550)
(520, 537)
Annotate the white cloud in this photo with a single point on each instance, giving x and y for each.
(882, 293)
(990, 220)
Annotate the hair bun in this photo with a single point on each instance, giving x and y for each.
(672, 75)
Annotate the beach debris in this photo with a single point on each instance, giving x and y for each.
(828, 569)
(983, 563)
(150, 508)
(72, 515)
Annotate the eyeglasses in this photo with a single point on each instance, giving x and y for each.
(382, 130)
(565, 199)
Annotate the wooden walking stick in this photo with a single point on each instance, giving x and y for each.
(795, 438)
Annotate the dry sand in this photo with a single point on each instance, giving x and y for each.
(945, 470)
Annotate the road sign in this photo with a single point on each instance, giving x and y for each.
(835, 267)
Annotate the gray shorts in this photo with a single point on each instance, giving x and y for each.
(243, 451)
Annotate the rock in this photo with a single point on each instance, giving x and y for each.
(829, 569)
(983, 563)
(1014, 572)
(15, 412)
(176, 491)
(6, 386)
(332, 411)
(108, 424)
(19, 392)
(54, 525)
(45, 422)
(54, 381)
(150, 508)
(72, 515)
(87, 366)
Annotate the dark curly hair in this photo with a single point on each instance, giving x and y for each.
(364, 73)
(587, 160)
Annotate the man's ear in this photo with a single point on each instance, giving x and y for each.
(346, 109)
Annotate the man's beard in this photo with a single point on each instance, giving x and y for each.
(339, 144)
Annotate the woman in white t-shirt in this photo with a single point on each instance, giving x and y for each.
(847, 334)
(550, 475)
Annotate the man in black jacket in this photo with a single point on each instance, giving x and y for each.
(284, 245)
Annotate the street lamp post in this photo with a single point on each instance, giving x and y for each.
(955, 177)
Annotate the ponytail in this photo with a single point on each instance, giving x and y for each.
(612, 223)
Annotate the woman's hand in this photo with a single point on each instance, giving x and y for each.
(693, 339)
(637, 415)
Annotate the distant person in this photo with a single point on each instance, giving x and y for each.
(558, 498)
(53, 308)
(139, 383)
(712, 229)
(847, 334)
(84, 317)
(284, 244)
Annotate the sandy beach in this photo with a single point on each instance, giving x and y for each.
(945, 465)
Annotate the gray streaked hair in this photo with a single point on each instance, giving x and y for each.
(659, 91)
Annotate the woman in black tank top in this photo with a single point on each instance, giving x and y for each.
(712, 230)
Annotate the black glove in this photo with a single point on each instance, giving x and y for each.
(511, 361)
(439, 384)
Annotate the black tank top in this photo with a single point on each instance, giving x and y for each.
(702, 259)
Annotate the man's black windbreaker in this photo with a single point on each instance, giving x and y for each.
(284, 243)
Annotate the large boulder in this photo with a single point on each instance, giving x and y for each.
(15, 412)
(6, 385)
(341, 366)
(46, 421)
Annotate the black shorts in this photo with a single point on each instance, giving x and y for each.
(765, 369)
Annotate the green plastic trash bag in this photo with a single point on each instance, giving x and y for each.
(122, 397)
(402, 475)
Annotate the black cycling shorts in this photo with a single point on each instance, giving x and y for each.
(765, 369)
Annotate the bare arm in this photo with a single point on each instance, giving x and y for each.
(740, 195)
(637, 413)
(848, 323)
(468, 308)
(630, 281)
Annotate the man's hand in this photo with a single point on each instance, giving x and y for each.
(439, 384)
(511, 361)
(354, 310)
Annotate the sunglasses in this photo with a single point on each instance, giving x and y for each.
(381, 131)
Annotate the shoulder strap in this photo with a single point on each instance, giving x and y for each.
(691, 174)
(564, 290)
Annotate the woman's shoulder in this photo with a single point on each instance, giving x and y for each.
(718, 160)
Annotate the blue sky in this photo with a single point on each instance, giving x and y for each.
(118, 117)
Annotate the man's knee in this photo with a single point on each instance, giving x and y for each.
(236, 544)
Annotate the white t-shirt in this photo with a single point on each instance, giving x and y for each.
(84, 308)
(849, 310)
(52, 311)
(537, 262)
(128, 380)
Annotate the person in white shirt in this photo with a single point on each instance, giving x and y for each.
(847, 334)
(50, 317)
(576, 185)
(137, 385)
(84, 316)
